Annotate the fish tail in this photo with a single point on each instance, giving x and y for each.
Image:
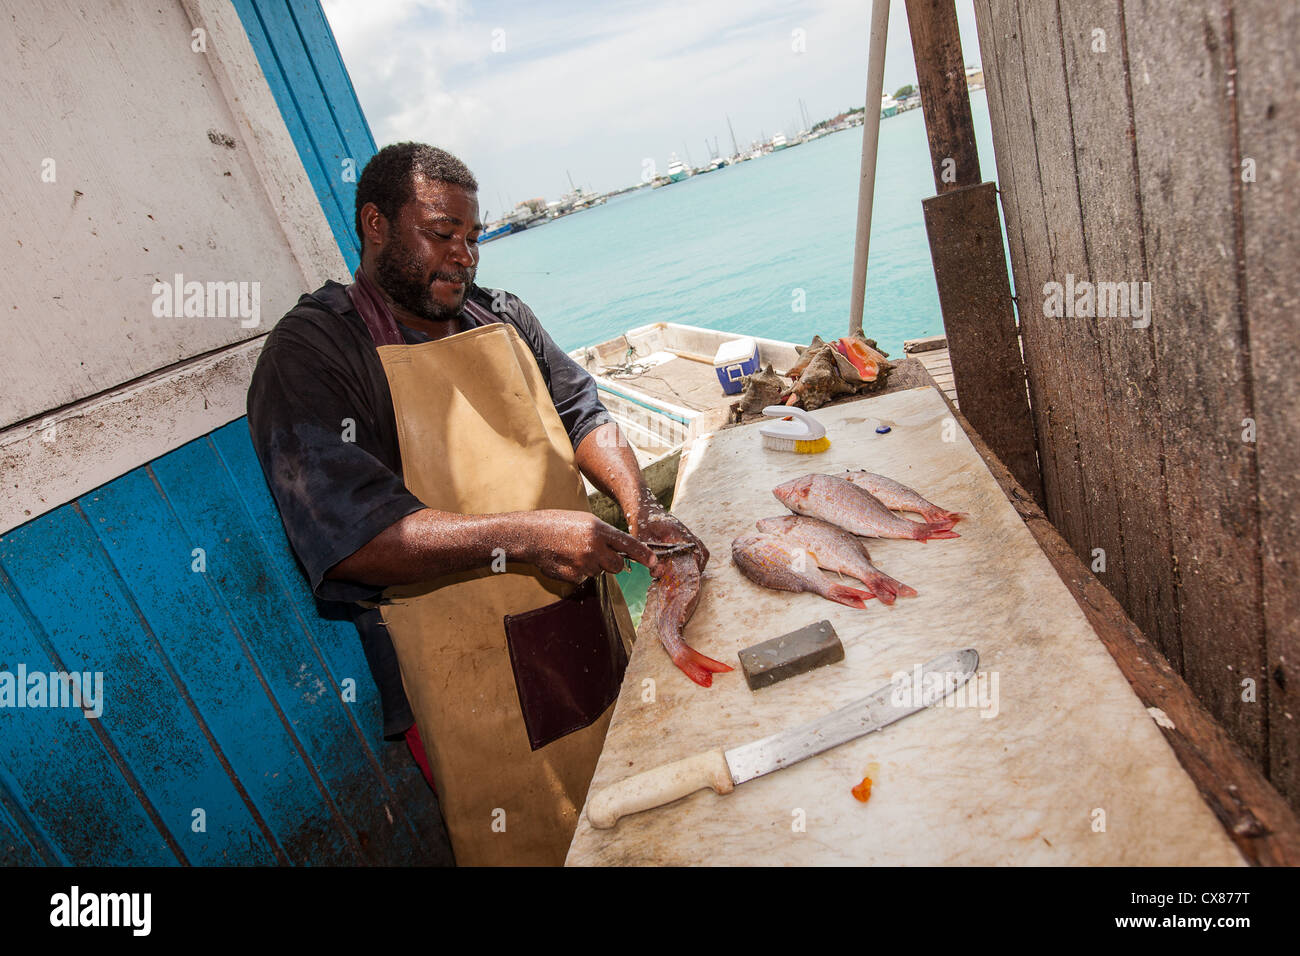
(893, 585)
(696, 666)
(927, 531)
(887, 588)
(941, 516)
(852, 597)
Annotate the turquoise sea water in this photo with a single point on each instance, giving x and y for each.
(729, 249)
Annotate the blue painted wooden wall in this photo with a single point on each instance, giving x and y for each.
(301, 61)
(224, 688)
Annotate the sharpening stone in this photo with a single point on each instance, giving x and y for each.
(790, 654)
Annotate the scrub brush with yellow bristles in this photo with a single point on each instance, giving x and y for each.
(797, 431)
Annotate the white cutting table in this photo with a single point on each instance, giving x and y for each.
(1070, 770)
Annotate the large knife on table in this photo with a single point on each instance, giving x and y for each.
(723, 771)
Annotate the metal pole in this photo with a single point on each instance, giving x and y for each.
(870, 141)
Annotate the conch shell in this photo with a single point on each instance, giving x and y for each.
(822, 379)
(761, 390)
(841, 367)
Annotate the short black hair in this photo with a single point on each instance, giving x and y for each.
(388, 179)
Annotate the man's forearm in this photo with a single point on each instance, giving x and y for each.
(606, 458)
(427, 544)
(565, 545)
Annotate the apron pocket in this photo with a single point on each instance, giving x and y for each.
(568, 661)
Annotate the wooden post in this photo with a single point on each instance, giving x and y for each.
(941, 78)
(983, 345)
(966, 248)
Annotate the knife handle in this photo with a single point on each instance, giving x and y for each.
(660, 785)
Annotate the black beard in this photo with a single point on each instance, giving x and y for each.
(398, 274)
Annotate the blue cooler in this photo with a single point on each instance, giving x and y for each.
(735, 360)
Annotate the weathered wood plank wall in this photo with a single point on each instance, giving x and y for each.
(99, 384)
(125, 166)
(1158, 141)
(1268, 117)
(225, 688)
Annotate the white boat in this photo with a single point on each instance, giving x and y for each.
(677, 170)
(658, 382)
(779, 141)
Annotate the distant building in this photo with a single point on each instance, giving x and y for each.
(974, 78)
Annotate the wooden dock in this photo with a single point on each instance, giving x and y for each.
(932, 352)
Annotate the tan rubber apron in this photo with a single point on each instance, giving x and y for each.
(479, 434)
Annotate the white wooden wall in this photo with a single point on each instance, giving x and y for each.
(127, 158)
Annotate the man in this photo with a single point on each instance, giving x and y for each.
(423, 439)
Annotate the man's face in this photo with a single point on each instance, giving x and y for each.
(430, 256)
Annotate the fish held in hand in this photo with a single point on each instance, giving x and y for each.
(670, 603)
(898, 497)
(836, 550)
(783, 566)
(852, 508)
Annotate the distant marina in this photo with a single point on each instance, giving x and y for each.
(752, 248)
(538, 211)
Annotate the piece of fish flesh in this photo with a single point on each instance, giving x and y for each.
(836, 550)
(852, 508)
(780, 564)
(670, 603)
(898, 497)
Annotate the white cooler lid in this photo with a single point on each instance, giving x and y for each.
(737, 350)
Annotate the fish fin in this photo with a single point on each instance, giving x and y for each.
(943, 516)
(878, 585)
(936, 531)
(852, 597)
(897, 589)
(943, 519)
(881, 585)
(698, 667)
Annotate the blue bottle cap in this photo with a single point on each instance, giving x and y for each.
(882, 430)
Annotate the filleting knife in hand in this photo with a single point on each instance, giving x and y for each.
(723, 771)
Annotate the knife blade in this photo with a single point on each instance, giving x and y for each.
(722, 771)
(669, 549)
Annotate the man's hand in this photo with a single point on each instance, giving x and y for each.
(566, 545)
(575, 545)
(653, 522)
(608, 460)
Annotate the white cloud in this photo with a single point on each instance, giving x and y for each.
(595, 90)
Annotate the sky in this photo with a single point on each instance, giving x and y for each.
(528, 94)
